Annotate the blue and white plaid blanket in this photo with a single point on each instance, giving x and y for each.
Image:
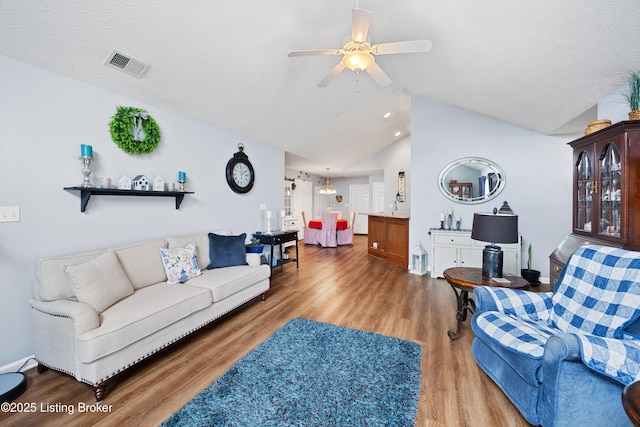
(597, 296)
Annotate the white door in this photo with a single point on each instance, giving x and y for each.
(359, 203)
(302, 201)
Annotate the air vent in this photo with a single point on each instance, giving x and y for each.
(126, 63)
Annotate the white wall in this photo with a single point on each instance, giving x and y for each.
(342, 187)
(613, 107)
(538, 171)
(44, 118)
(391, 160)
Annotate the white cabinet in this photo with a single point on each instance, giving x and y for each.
(452, 248)
(291, 223)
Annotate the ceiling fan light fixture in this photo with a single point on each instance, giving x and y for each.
(357, 61)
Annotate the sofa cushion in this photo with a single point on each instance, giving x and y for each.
(226, 251)
(202, 244)
(180, 264)
(224, 282)
(142, 263)
(100, 282)
(518, 343)
(147, 311)
(52, 282)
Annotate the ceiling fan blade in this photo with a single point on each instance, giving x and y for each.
(410, 46)
(360, 19)
(378, 75)
(315, 52)
(332, 75)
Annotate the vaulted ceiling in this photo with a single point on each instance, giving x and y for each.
(541, 65)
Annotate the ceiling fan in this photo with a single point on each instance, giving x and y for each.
(359, 52)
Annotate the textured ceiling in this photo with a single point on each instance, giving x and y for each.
(538, 65)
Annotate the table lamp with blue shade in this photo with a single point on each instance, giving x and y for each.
(494, 228)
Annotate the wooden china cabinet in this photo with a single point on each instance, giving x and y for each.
(606, 191)
(461, 190)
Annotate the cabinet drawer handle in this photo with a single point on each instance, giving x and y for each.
(556, 268)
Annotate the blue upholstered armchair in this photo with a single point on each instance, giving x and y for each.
(563, 358)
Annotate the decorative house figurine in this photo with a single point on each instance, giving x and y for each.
(124, 183)
(158, 183)
(141, 183)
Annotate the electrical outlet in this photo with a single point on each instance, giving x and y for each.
(9, 213)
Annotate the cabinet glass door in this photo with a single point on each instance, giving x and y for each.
(584, 197)
(287, 199)
(610, 191)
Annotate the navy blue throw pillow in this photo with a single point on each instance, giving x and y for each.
(226, 251)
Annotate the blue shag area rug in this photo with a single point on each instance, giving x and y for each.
(314, 374)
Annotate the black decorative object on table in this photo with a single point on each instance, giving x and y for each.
(530, 275)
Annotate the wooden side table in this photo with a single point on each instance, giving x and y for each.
(631, 402)
(463, 280)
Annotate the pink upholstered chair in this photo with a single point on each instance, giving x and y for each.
(327, 237)
(310, 234)
(337, 212)
(345, 237)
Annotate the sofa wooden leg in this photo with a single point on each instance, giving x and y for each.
(98, 391)
(41, 368)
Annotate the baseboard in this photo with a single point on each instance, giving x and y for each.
(14, 366)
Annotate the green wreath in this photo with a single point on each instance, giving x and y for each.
(134, 130)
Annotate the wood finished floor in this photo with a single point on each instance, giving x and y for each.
(344, 286)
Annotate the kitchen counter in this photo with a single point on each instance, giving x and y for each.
(391, 215)
(389, 238)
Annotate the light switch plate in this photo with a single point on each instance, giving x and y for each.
(9, 213)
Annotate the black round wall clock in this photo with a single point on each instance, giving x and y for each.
(240, 175)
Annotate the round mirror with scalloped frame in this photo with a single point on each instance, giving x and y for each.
(471, 180)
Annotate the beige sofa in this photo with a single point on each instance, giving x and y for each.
(97, 338)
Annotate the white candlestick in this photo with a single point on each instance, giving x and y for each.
(441, 216)
(268, 214)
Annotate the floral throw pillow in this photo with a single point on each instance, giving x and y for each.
(180, 264)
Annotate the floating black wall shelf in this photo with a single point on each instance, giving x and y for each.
(87, 192)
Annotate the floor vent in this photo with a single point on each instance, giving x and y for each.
(126, 63)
